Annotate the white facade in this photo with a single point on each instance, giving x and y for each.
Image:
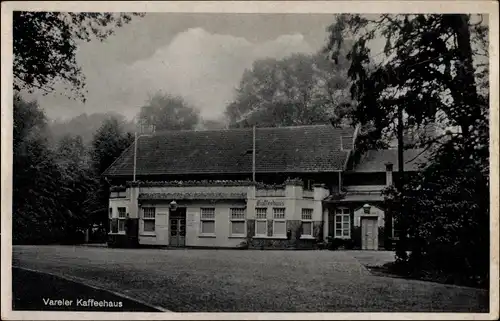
(234, 207)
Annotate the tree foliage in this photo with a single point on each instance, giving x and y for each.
(78, 183)
(297, 90)
(427, 67)
(45, 45)
(447, 209)
(168, 112)
(37, 215)
(433, 68)
(108, 143)
(58, 192)
(85, 126)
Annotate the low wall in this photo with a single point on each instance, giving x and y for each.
(292, 241)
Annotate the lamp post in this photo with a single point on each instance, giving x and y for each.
(135, 154)
(173, 206)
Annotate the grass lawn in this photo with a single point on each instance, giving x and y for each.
(249, 281)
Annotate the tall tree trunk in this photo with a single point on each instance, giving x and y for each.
(466, 90)
(401, 247)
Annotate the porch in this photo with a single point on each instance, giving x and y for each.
(357, 219)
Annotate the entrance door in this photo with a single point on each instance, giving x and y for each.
(178, 227)
(369, 233)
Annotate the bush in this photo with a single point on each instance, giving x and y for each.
(356, 237)
(243, 245)
(322, 245)
(446, 218)
(349, 244)
(336, 244)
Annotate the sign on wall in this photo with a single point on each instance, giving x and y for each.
(190, 220)
(265, 203)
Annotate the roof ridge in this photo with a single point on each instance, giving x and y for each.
(395, 149)
(165, 131)
(298, 126)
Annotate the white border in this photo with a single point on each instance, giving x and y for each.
(367, 7)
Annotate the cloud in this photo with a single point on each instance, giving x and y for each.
(202, 67)
(205, 68)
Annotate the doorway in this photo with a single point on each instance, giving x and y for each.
(369, 233)
(177, 224)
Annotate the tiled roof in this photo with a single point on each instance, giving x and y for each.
(314, 148)
(375, 160)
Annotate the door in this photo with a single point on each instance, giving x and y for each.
(369, 233)
(178, 227)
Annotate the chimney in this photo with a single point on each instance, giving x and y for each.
(388, 174)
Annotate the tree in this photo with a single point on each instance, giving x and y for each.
(297, 90)
(429, 72)
(447, 216)
(78, 184)
(45, 45)
(167, 112)
(50, 188)
(35, 212)
(85, 126)
(107, 145)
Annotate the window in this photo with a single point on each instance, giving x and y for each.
(122, 212)
(342, 223)
(118, 194)
(260, 221)
(238, 221)
(148, 219)
(279, 222)
(308, 186)
(307, 224)
(208, 221)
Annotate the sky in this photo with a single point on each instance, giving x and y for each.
(199, 56)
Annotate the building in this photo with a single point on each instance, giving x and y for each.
(197, 189)
(370, 225)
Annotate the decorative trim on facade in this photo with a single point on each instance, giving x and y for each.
(294, 181)
(263, 186)
(288, 181)
(355, 197)
(192, 196)
(118, 188)
(189, 183)
(319, 185)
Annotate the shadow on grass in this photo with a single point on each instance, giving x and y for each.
(395, 271)
(33, 291)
